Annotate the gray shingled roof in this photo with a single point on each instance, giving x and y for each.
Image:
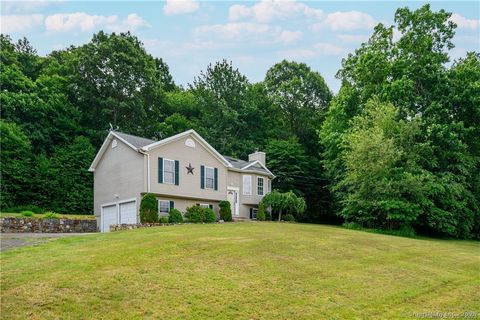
(239, 164)
(137, 142)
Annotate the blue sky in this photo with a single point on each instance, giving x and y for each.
(254, 35)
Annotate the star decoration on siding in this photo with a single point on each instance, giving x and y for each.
(190, 168)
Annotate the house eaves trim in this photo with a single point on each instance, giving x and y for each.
(176, 137)
(257, 162)
(268, 173)
(104, 147)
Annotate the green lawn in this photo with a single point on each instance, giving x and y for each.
(240, 271)
(66, 216)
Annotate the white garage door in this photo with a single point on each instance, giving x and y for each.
(109, 217)
(128, 212)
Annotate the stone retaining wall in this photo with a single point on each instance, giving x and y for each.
(37, 225)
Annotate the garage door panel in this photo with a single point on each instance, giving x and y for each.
(128, 212)
(109, 217)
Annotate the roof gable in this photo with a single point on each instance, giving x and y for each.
(182, 135)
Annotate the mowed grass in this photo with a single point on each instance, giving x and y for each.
(240, 271)
(36, 215)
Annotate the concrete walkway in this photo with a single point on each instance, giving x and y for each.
(16, 240)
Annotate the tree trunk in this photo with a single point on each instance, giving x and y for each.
(280, 215)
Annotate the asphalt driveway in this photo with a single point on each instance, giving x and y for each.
(16, 240)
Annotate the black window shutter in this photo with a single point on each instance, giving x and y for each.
(215, 179)
(210, 206)
(251, 213)
(177, 181)
(202, 177)
(172, 205)
(160, 170)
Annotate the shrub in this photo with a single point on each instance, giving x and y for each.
(195, 214)
(225, 210)
(164, 219)
(51, 215)
(175, 216)
(209, 215)
(27, 213)
(352, 225)
(289, 217)
(268, 215)
(261, 212)
(34, 209)
(149, 209)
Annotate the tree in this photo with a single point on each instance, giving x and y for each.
(149, 209)
(225, 211)
(383, 185)
(15, 165)
(302, 97)
(286, 202)
(115, 81)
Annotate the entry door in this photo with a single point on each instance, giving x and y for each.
(232, 197)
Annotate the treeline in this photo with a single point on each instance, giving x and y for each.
(397, 148)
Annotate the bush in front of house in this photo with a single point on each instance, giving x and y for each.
(27, 213)
(175, 216)
(225, 210)
(197, 214)
(210, 216)
(51, 215)
(27, 207)
(164, 219)
(149, 209)
(289, 217)
(268, 215)
(261, 212)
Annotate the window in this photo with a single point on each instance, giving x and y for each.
(204, 205)
(247, 185)
(168, 171)
(260, 183)
(163, 206)
(209, 178)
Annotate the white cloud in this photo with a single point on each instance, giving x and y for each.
(353, 38)
(20, 22)
(180, 6)
(268, 10)
(328, 49)
(297, 54)
(317, 49)
(345, 20)
(465, 23)
(248, 31)
(65, 22)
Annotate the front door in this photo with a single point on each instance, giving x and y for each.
(232, 197)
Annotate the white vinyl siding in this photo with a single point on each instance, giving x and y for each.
(260, 186)
(163, 206)
(168, 171)
(209, 177)
(247, 185)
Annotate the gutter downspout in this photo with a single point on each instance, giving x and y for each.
(148, 168)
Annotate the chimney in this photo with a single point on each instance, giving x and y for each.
(257, 155)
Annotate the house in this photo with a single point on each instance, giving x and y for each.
(182, 171)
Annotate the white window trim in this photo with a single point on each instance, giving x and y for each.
(159, 206)
(205, 178)
(165, 159)
(263, 186)
(204, 205)
(245, 193)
